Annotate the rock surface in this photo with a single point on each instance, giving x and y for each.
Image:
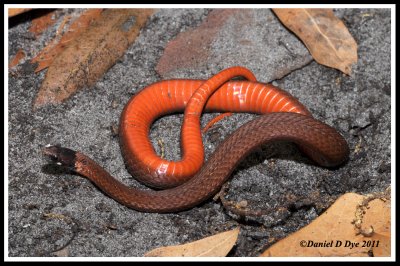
(54, 213)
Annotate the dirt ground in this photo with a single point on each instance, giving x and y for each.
(51, 210)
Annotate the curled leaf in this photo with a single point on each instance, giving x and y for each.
(217, 245)
(325, 36)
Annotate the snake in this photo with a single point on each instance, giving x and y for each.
(186, 183)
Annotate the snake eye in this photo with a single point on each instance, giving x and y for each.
(50, 152)
(59, 155)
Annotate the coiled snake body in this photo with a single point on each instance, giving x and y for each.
(192, 181)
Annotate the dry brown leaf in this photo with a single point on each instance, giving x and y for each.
(16, 11)
(217, 245)
(86, 58)
(20, 54)
(62, 252)
(347, 222)
(57, 45)
(325, 36)
(41, 23)
(378, 215)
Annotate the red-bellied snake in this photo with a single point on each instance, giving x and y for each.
(194, 182)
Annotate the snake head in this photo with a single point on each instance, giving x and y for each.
(61, 156)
